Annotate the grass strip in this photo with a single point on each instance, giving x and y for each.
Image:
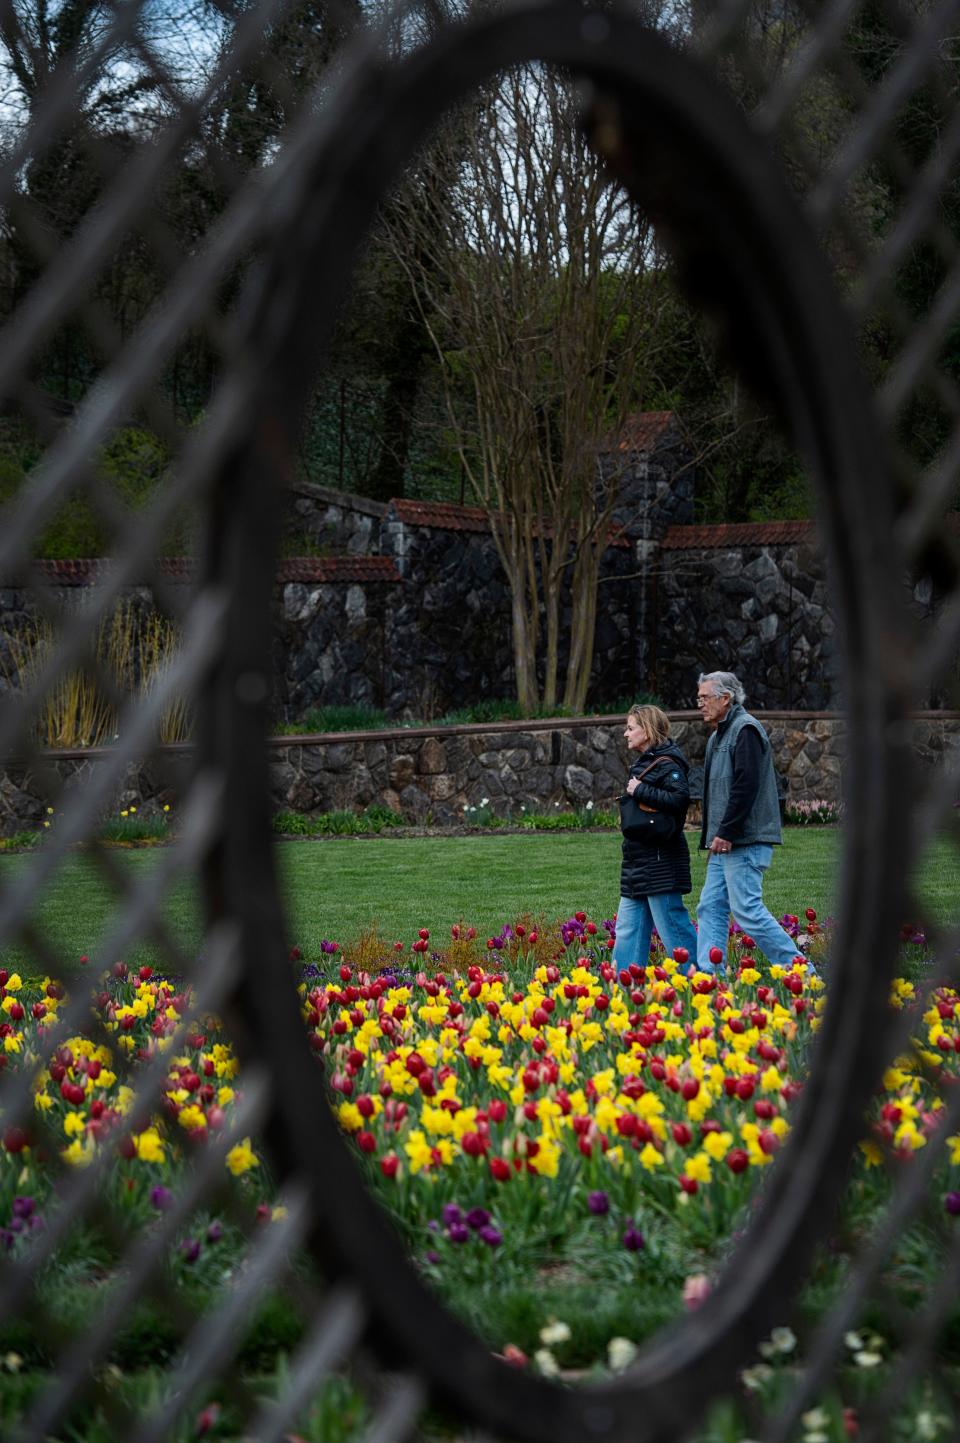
(340, 886)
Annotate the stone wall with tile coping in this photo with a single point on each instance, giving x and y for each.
(431, 774)
(413, 616)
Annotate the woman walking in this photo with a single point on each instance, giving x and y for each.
(655, 872)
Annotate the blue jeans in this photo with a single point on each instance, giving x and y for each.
(734, 884)
(636, 919)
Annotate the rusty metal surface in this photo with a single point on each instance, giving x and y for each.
(756, 223)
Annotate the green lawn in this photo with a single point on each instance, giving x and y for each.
(336, 887)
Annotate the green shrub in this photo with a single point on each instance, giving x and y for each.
(337, 824)
(581, 820)
(134, 463)
(21, 841)
(131, 829)
(380, 817)
(507, 709)
(361, 717)
(293, 824)
(352, 717)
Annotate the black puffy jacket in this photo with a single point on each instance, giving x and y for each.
(647, 869)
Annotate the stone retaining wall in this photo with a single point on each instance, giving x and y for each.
(430, 775)
(414, 618)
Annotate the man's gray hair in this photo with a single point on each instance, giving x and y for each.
(725, 682)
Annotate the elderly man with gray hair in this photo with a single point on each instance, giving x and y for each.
(741, 825)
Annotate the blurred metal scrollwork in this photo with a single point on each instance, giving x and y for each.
(710, 137)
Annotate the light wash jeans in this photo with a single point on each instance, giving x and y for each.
(734, 884)
(636, 919)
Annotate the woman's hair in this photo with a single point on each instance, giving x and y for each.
(655, 722)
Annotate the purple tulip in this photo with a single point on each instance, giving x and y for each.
(190, 1247)
(161, 1197)
(432, 1258)
(478, 1217)
(214, 1232)
(633, 1239)
(458, 1232)
(598, 1203)
(23, 1207)
(451, 1214)
(952, 1203)
(491, 1236)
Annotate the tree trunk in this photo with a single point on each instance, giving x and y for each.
(524, 654)
(552, 585)
(583, 622)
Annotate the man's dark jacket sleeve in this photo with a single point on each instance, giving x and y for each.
(747, 759)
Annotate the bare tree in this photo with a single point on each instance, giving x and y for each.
(540, 289)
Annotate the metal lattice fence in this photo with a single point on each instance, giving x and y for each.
(799, 160)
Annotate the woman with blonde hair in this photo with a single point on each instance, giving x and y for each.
(655, 872)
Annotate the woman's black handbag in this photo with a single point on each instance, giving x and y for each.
(641, 823)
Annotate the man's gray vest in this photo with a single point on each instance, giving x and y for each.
(763, 820)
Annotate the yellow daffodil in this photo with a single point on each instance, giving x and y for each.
(242, 1158)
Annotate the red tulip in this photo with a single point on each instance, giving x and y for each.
(15, 1139)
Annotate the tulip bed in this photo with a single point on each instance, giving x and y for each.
(566, 1146)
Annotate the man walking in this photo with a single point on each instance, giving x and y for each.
(741, 825)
